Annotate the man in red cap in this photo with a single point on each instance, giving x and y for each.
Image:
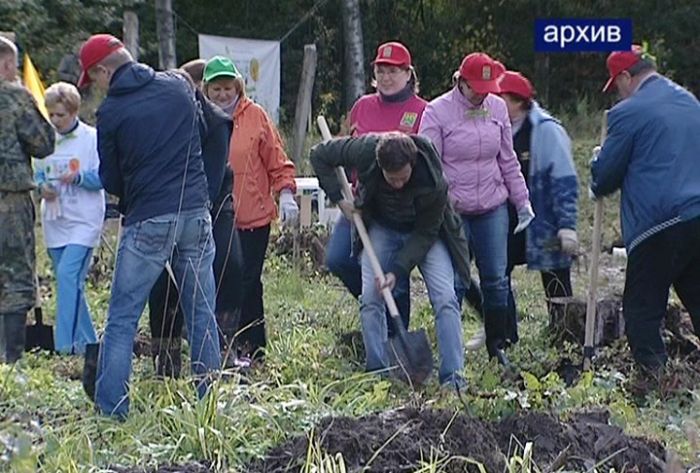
(150, 157)
(651, 154)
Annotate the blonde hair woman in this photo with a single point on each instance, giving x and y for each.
(72, 212)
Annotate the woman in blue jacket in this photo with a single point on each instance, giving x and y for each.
(544, 151)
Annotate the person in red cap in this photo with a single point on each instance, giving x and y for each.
(395, 106)
(651, 155)
(470, 128)
(150, 158)
(544, 151)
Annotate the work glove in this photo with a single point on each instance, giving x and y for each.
(289, 210)
(525, 216)
(568, 241)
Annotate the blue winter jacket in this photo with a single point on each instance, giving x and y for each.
(553, 191)
(652, 152)
(149, 145)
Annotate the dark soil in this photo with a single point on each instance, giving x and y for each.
(683, 346)
(400, 440)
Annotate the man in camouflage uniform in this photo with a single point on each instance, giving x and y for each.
(23, 133)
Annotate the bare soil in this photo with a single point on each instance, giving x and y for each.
(398, 441)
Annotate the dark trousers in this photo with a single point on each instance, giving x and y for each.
(556, 283)
(251, 334)
(166, 319)
(668, 258)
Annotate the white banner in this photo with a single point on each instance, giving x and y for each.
(257, 60)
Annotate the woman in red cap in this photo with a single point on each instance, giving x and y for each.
(395, 106)
(544, 152)
(470, 128)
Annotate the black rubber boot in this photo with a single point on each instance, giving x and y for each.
(92, 355)
(12, 336)
(167, 356)
(496, 325)
(228, 322)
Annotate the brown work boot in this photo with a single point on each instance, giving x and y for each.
(167, 357)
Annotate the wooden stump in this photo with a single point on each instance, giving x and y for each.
(567, 320)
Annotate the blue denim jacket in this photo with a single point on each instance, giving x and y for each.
(553, 191)
(651, 153)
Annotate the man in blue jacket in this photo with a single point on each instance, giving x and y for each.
(651, 153)
(150, 157)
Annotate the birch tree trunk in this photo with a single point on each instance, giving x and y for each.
(165, 29)
(354, 52)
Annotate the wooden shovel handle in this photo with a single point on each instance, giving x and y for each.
(592, 302)
(359, 224)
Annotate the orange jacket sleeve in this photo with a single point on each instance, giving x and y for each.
(280, 169)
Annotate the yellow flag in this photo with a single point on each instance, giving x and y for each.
(33, 83)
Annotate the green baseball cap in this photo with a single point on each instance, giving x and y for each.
(220, 66)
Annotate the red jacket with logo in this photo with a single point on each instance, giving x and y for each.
(371, 114)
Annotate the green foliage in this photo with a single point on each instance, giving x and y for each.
(438, 32)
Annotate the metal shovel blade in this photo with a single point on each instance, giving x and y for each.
(410, 356)
(39, 335)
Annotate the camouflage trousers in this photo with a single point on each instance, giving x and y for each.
(17, 267)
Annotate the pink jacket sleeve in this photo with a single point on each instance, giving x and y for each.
(431, 128)
(509, 165)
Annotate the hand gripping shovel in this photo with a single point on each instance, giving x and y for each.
(409, 352)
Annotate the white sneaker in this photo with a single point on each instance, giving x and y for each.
(477, 341)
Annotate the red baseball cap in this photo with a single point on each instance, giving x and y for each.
(95, 49)
(515, 83)
(393, 53)
(481, 72)
(619, 61)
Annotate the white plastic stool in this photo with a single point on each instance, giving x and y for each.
(307, 188)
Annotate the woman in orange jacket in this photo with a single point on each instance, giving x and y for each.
(261, 169)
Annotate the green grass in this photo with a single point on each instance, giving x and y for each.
(47, 423)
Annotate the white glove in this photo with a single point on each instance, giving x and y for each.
(594, 155)
(525, 216)
(289, 210)
(568, 241)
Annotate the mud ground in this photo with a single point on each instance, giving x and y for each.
(398, 441)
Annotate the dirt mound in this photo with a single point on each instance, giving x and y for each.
(398, 441)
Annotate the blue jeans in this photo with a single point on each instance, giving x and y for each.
(437, 272)
(186, 241)
(341, 262)
(488, 240)
(74, 327)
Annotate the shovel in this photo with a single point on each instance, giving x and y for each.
(592, 302)
(409, 351)
(39, 335)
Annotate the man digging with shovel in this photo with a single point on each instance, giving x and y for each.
(402, 195)
(651, 154)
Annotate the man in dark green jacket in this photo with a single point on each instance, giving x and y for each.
(402, 195)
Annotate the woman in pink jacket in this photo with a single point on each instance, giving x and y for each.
(470, 128)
